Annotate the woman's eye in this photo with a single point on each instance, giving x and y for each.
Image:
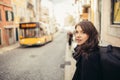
(76, 32)
(79, 32)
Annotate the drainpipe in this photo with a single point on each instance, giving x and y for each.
(99, 9)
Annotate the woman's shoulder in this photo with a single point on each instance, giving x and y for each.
(94, 52)
(94, 55)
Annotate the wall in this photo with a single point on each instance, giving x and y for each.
(110, 34)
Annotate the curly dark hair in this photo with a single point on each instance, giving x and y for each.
(93, 40)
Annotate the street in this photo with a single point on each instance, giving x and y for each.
(35, 63)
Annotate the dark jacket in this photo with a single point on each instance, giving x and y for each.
(88, 68)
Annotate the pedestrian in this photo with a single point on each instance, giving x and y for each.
(70, 39)
(86, 52)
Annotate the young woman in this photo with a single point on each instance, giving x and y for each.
(87, 52)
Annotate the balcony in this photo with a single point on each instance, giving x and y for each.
(84, 16)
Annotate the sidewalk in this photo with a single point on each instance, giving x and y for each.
(10, 47)
(69, 69)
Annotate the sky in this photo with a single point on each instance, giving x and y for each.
(61, 9)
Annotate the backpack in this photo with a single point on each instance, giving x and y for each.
(110, 62)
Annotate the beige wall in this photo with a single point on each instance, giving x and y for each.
(92, 11)
(110, 33)
(19, 8)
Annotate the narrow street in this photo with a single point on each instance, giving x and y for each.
(35, 63)
(48, 23)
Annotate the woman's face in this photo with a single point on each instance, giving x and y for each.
(80, 36)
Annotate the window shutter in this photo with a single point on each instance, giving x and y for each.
(12, 16)
(0, 16)
(6, 14)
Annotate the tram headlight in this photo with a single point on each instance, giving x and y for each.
(22, 40)
(38, 42)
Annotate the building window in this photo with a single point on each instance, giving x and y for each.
(9, 15)
(10, 32)
(115, 12)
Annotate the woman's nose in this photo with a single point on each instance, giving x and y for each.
(78, 35)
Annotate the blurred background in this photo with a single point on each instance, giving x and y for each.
(34, 35)
(60, 15)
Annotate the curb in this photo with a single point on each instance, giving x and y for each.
(10, 47)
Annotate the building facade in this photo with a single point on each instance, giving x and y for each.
(110, 22)
(13, 12)
(6, 23)
(19, 10)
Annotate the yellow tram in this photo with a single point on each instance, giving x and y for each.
(34, 33)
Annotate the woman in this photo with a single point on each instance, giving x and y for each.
(87, 52)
